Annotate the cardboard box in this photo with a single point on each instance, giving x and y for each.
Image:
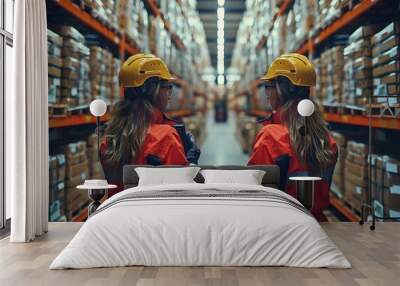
(393, 89)
(75, 197)
(361, 45)
(360, 171)
(55, 210)
(70, 33)
(92, 141)
(392, 67)
(363, 74)
(77, 180)
(357, 148)
(387, 45)
(54, 71)
(54, 38)
(354, 195)
(68, 84)
(339, 138)
(74, 148)
(54, 61)
(363, 32)
(61, 167)
(390, 30)
(76, 170)
(72, 63)
(57, 191)
(363, 92)
(392, 198)
(71, 75)
(362, 63)
(354, 179)
(390, 55)
(77, 158)
(53, 170)
(391, 180)
(388, 164)
(392, 78)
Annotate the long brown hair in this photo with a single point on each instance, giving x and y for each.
(311, 144)
(126, 131)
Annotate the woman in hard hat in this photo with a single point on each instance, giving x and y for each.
(285, 141)
(139, 132)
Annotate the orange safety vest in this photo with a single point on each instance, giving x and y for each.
(162, 141)
(272, 146)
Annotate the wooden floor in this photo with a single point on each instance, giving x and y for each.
(375, 257)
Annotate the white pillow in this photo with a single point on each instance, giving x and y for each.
(248, 177)
(166, 176)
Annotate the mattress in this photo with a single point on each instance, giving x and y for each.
(201, 225)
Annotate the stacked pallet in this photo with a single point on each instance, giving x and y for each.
(386, 64)
(356, 174)
(95, 167)
(75, 85)
(57, 174)
(77, 170)
(386, 186)
(339, 174)
(54, 45)
(332, 75)
(358, 67)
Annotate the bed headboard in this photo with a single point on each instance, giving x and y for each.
(270, 179)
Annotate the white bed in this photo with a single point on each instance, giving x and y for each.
(246, 225)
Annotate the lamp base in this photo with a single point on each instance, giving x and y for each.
(305, 193)
(95, 195)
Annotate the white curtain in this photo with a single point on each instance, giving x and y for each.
(27, 124)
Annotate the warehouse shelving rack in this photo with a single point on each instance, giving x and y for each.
(309, 47)
(155, 10)
(346, 19)
(284, 8)
(125, 48)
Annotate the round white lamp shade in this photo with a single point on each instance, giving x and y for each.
(98, 107)
(305, 107)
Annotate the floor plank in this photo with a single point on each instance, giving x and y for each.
(375, 257)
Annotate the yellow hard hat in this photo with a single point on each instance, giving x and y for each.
(297, 68)
(140, 67)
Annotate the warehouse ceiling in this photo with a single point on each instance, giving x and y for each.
(234, 10)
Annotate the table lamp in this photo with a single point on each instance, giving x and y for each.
(98, 108)
(305, 185)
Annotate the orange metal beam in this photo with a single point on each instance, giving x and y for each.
(344, 210)
(87, 19)
(74, 120)
(377, 122)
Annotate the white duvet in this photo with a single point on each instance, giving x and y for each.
(201, 231)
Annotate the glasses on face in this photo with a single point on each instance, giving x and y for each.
(167, 86)
(269, 86)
